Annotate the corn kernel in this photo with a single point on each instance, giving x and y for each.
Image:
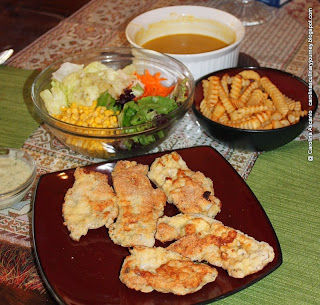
(75, 117)
(98, 120)
(88, 116)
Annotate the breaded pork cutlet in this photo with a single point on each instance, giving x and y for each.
(173, 228)
(190, 192)
(148, 269)
(140, 205)
(89, 204)
(224, 247)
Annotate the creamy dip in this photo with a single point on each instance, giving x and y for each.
(13, 173)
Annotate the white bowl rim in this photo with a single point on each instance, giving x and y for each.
(194, 7)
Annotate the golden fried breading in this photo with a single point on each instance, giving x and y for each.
(225, 247)
(89, 204)
(140, 205)
(190, 192)
(175, 227)
(148, 269)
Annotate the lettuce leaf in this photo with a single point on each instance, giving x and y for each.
(145, 110)
(54, 99)
(66, 69)
(179, 93)
(106, 100)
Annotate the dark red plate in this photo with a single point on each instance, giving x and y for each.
(87, 272)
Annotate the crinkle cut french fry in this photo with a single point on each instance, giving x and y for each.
(224, 119)
(289, 101)
(246, 111)
(297, 106)
(239, 121)
(238, 103)
(276, 95)
(225, 101)
(253, 102)
(247, 92)
(224, 84)
(264, 116)
(250, 74)
(268, 126)
(257, 97)
(252, 123)
(205, 86)
(213, 90)
(276, 116)
(292, 117)
(267, 102)
(292, 104)
(218, 112)
(236, 87)
(276, 124)
(285, 122)
(205, 108)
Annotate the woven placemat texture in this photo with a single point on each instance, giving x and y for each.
(16, 106)
(287, 186)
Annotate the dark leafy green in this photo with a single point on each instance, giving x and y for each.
(145, 110)
(106, 100)
(133, 113)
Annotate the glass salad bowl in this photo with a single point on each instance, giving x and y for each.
(145, 94)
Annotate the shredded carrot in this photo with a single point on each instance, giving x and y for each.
(152, 84)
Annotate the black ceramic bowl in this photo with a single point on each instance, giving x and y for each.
(259, 140)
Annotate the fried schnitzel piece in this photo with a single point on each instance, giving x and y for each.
(89, 203)
(140, 206)
(175, 227)
(225, 247)
(148, 269)
(190, 192)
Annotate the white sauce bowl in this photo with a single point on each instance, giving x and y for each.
(189, 19)
(16, 194)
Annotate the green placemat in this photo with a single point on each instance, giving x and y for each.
(17, 115)
(287, 186)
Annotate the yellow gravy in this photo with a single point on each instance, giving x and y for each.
(184, 44)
